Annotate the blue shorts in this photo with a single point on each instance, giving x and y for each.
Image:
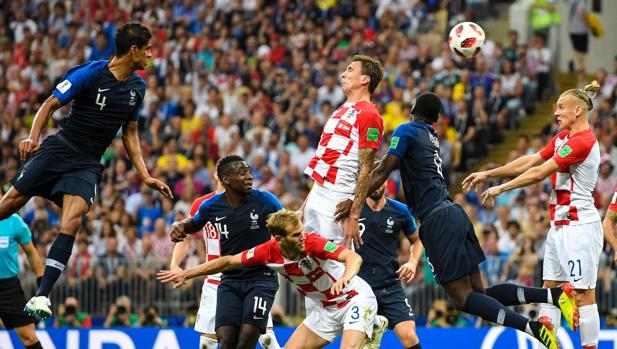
(452, 248)
(57, 169)
(393, 304)
(244, 302)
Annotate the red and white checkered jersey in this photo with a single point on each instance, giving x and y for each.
(578, 157)
(353, 126)
(313, 272)
(613, 204)
(211, 236)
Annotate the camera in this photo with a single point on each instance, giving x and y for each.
(121, 309)
(70, 310)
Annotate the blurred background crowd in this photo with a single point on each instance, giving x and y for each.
(259, 79)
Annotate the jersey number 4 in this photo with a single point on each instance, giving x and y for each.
(100, 101)
(259, 304)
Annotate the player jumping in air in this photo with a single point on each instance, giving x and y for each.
(574, 242)
(65, 168)
(451, 245)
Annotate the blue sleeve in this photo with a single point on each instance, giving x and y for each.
(76, 79)
(403, 138)
(141, 93)
(201, 216)
(271, 202)
(409, 225)
(22, 232)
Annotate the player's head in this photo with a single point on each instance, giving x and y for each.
(574, 105)
(363, 72)
(287, 228)
(134, 39)
(427, 107)
(235, 174)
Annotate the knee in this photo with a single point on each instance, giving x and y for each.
(460, 299)
(409, 339)
(28, 338)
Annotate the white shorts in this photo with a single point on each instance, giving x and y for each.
(319, 213)
(207, 310)
(359, 314)
(572, 253)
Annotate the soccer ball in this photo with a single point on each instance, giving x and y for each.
(466, 39)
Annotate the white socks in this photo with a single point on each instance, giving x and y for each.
(552, 312)
(207, 343)
(589, 325)
(268, 340)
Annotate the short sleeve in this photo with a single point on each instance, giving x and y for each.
(75, 80)
(201, 216)
(23, 235)
(548, 151)
(573, 152)
(272, 202)
(613, 204)
(258, 255)
(370, 130)
(320, 247)
(139, 95)
(410, 225)
(403, 137)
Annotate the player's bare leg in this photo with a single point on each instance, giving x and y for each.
(406, 333)
(304, 338)
(73, 209)
(11, 202)
(27, 336)
(248, 336)
(208, 341)
(227, 336)
(353, 339)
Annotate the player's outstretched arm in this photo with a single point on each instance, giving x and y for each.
(532, 175)
(474, 181)
(41, 119)
(216, 266)
(379, 175)
(610, 235)
(352, 262)
(130, 138)
(181, 229)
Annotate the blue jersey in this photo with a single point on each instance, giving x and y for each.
(417, 145)
(102, 104)
(13, 232)
(381, 236)
(240, 228)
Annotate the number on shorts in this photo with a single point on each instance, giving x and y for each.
(355, 312)
(572, 264)
(409, 306)
(259, 304)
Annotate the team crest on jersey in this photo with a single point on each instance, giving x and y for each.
(306, 264)
(254, 220)
(350, 115)
(133, 98)
(390, 225)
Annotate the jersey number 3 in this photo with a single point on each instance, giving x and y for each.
(100, 101)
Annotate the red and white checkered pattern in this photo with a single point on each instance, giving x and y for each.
(211, 236)
(336, 161)
(313, 273)
(578, 157)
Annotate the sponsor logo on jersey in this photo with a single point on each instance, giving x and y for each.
(250, 253)
(394, 142)
(330, 247)
(565, 151)
(64, 86)
(372, 134)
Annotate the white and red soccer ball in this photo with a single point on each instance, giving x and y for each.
(466, 39)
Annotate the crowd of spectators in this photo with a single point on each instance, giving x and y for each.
(259, 79)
